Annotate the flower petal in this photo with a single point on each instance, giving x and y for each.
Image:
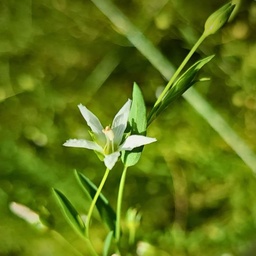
(93, 122)
(120, 122)
(135, 141)
(83, 144)
(110, 160)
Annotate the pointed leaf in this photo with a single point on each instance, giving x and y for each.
(137, 125)
(186, 80)
(107, 243)
(70, 212)
(106, 212)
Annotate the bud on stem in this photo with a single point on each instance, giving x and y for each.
(218, 19)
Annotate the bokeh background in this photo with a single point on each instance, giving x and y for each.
(196, 194)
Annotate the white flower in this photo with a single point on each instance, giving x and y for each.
(107, 141)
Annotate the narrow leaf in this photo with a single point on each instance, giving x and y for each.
(105, 210)
(107, 243)
(70, 212)
(186, 80)
(137, 124)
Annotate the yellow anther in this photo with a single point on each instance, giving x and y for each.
(109, 133)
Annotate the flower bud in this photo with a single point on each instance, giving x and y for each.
(218, 19)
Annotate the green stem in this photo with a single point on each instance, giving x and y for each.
(182, 65)
(119, 204)
(89, 215)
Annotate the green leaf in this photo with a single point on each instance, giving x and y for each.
(186, 80)
(107, 243)
(70, 212)
(137, 124)
(105, 210)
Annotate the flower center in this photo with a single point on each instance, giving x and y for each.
(109, 147)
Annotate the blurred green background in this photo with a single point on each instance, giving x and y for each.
(196, 195)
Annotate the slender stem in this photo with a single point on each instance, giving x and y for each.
(119, 204)
(182, 65)
(89, 215)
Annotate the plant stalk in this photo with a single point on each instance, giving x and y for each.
(119, 204)
(182, 65)
(89, 215)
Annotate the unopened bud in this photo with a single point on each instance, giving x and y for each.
(218, 19)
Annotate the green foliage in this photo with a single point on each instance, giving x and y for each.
(137, 124)
(70, 212)
(185, 81)
(106, 212)
(57, 54)
(107, 243)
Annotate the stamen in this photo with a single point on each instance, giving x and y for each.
(109, 133)
(109, 147)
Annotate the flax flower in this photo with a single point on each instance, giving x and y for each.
(109, 141)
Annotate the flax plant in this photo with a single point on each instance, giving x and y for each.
(124, 140)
